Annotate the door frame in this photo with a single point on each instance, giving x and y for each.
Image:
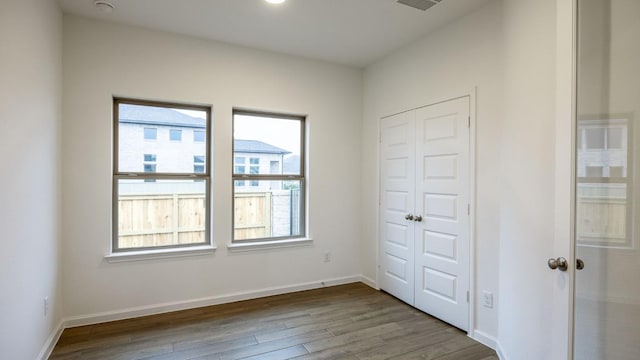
(564, 244)
(471, 94)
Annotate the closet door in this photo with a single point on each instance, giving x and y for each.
(442, 201)
(397, 201)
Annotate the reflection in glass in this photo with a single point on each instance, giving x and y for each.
(603, 208)
(607, 292)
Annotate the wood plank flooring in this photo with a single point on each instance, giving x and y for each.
(341, 322)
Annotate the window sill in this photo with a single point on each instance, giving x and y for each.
(159, 254)
(261, 245)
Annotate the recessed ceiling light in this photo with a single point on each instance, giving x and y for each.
(275, 1)
(104, 6)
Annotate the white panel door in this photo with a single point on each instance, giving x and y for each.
(397, 201)
(442, 235)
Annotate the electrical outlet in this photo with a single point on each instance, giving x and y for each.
(487, 299)
(327, 256)
(46, 305)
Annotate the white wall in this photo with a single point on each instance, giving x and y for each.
(30, 116)
(527, 174)
(102, 60)
(447, 63)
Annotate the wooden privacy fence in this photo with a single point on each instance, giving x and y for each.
(602, 221)
(252, 215)
(160, 220)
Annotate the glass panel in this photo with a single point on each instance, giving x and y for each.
(137, 124)
(199, 136)
(269, 209)
(175, 135)
(161, 213)
(149, 157)
(150, 133)
(607, 293)
(595, 138)
(268, 141)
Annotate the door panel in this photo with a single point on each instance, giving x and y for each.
(442, 183)
(397, 200)
(607, 292)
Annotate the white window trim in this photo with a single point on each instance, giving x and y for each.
(271, 244)
(143, 255)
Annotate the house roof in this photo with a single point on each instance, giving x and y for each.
(152, 115)
(291, 164)
(258, 147)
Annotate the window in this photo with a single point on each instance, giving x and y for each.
(198, 164)
(165, 203)
(272, 206)
(175, 135)
(150, 133)
(198, 136)
(239, 168)
(604, 189)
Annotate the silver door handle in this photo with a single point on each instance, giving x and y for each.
(417, 218)
(559, 263)
(409, 217)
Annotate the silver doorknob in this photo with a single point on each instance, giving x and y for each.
(417, 218)
(409, 217)
(559, 263)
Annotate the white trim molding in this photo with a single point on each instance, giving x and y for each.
(154, 309)
(51, 342)
(483, 338)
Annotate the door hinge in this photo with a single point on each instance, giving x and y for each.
(467, 296)
(380, 137)
(469, 118)
(468, 209)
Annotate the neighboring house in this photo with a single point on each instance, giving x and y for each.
(257, 157)
(175, 142)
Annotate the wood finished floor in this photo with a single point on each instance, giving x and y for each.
(341, 322)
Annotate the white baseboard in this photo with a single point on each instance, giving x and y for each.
(134, 312)
(51, 341)
(484, 339)
(500, 352)
(369, 282)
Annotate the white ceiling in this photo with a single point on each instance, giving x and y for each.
(350, 32)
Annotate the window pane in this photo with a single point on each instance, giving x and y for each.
(616, 171)
(594, 171)
(239, 160)
(270, 209)
(198, 159)
(265, 140)
(165, 126)
(594, 138)
(175, 135)
(198, 169)
(150, 133)
(199, 136)
(160, 213)
(614, 138)
(149, 157)
(239, 170)
(149, 167)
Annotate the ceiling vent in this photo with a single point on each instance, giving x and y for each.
(420, 4)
